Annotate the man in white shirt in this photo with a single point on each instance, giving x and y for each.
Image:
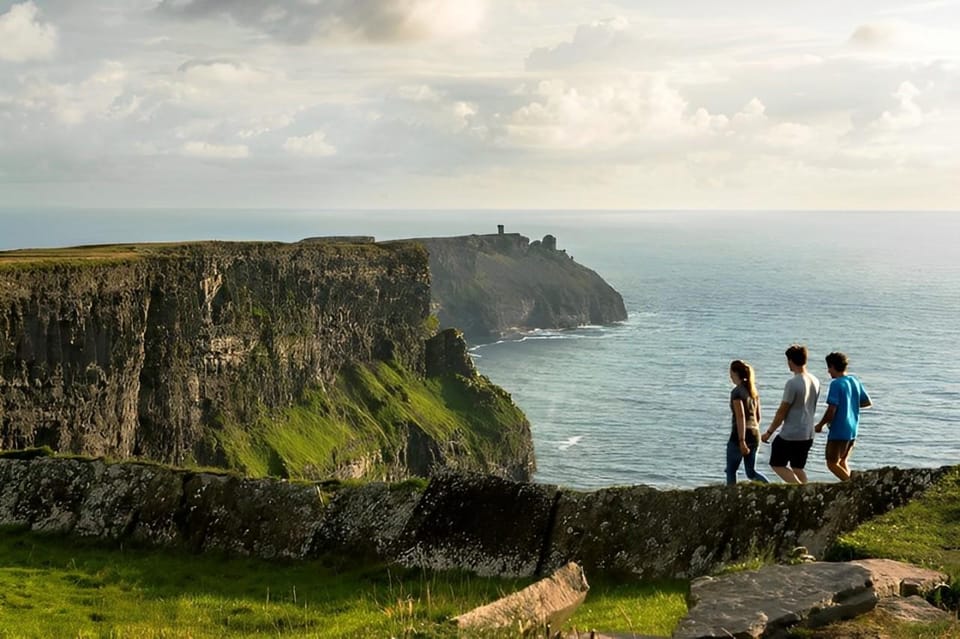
(797, 412)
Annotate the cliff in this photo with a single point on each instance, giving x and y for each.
(489, 285)
(300, 360)
(483, 524)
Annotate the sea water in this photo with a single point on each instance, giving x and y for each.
(646, 401)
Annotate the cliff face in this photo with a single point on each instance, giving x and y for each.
(172, 352)
(488, 285)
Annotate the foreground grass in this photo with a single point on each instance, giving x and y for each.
(55, 587)
(925, 532)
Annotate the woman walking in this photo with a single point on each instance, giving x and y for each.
(745, 426)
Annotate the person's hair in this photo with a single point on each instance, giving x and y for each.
(745, 372)
(797, 353)
(837, 361)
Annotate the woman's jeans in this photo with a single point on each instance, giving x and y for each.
(734, 456)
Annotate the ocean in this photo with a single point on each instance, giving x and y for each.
(645, 401)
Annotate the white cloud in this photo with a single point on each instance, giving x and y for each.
(215, 151)
(204, 73)
(363, 20)
(313, 145)
(596, 42)
(604, 116)
(101, 95)
(908, 116)
(23, 37)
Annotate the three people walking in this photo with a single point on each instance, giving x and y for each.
(795, 419)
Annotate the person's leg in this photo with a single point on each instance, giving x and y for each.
(779, 459)
(799, 460)
(786, 474)
(835, 450)
(749, 464)
(845, 457)
(734, 456)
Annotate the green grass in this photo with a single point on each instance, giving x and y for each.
(925, 532)
(366, 414)
(55, 587)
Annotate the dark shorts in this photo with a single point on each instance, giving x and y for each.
(838, 449)
(785, 451)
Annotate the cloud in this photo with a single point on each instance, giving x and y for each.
(361, 20)
(215, 151)
(101, 95)
(220, 72)
(23, 37)
(604, 116)
(313, 145)
(602, 39)
(909, 116)
(878, 35)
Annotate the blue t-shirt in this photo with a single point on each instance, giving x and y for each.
(847, 394)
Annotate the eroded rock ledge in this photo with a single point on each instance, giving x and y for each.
(483, 524)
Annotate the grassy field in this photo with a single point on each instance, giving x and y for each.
(63, 588)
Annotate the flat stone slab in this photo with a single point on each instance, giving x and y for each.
(913, 609)
(896, 579)
(757, 603)
(548, 602)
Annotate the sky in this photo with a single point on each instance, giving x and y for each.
(499, 104)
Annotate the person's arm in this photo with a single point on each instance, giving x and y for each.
(827, 418)
(740, 416)
(864, 398)
(777, 422)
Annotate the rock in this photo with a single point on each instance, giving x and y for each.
(894, 578)
(912, 609)
(759, 602)
(547, 603)
(490, 285)
(484, 524)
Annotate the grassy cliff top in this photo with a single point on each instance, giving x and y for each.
(96, 254)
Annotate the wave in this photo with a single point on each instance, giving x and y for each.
(569, 442)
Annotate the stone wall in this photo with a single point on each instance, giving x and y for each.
(136, 352)
(479, 523)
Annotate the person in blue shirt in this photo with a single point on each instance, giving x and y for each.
(844, 400)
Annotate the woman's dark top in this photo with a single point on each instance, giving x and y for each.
(752, 433)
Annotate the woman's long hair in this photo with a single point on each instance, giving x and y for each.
(745, 372)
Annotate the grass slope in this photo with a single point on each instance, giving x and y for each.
(367, 415)
(54, 587)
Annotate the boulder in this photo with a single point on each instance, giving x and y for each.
(758, 603)
(896, 579)
(547, 603)
(912, 609)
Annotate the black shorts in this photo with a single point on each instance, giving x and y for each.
(792, 452)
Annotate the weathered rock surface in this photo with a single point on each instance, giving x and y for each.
(912, 609)
(548, 603)
(484, 524)
(480, 523)
(139, 354)
(180, 353)
(652, 533)
(896, 579)
(489, 285)
(768, 601)
(757, 603)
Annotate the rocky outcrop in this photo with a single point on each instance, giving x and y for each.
(543, 605)
(483, 524)
(489, 285)
(193, 353)
(770, 601)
